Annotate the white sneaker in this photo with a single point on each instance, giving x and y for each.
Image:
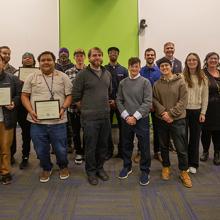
(78, 159)
(192, 170)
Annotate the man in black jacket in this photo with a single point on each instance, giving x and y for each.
(91, 88)
(118, 73)
(28, 61)
(7, 121)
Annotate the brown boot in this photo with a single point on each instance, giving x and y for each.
(184, 176)
(137, 157)
(64, 173)
(165, 173)
(45, 176)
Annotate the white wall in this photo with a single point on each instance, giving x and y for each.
(193, 25)
(29, 25)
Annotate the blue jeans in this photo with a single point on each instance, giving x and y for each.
(43, 136)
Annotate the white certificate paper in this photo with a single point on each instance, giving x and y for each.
(25, 72)
(47, 110)
(5, 96)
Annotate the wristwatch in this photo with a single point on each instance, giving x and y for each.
(64, 108)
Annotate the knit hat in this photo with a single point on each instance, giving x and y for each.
(164, 60)
(64, 50)
(27, 54)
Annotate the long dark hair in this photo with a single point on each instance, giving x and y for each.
(199, 73)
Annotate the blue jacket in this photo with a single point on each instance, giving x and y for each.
(151, 73)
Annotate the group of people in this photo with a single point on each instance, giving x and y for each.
(180, 103)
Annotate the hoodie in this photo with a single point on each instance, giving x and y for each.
(170, 96)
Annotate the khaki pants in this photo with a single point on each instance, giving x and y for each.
(6, 138)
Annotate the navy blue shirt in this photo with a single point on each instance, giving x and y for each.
(118, 73)
(151, 73)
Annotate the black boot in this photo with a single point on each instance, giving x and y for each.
(205, 156)
(216, 159)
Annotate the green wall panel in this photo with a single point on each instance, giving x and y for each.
(102, 23)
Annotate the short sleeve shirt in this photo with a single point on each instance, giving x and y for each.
(36, 86)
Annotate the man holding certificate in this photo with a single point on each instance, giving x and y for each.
(10, 89)
(46, 96)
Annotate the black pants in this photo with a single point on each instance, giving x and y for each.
(74, 120)
(141, 129)
(25, 133)
(207, 136)
(177, 131)
(110, 142)
(96, 134)
(193, 130)
(155, 133)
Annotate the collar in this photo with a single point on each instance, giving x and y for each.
(135, 76)
(54, 73)
(90, 69)
(154, 67)
(113, 66)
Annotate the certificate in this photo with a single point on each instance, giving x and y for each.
(47, 110)
(25, 72)
(5, 96)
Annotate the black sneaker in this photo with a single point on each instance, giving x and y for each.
(144, 178)
(204, 157)
(103, 175)
(24, 163)
(124, 173)
(216, 159)
(78, 159)
(6, 179)
(93, 180)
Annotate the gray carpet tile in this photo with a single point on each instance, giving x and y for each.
(75, 199)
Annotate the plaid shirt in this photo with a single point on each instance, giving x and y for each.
(71, 73)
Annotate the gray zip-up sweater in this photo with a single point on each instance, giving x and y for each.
(93, 93)
(134, 95)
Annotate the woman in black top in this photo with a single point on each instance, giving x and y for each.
(211, 127)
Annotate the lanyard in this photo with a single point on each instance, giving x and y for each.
(50, 89)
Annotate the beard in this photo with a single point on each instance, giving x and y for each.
(96, 63)
(150, 61)
(113, 59)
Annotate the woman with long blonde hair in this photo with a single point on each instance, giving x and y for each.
(197, 87)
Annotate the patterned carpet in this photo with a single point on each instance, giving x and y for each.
(75, 199)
